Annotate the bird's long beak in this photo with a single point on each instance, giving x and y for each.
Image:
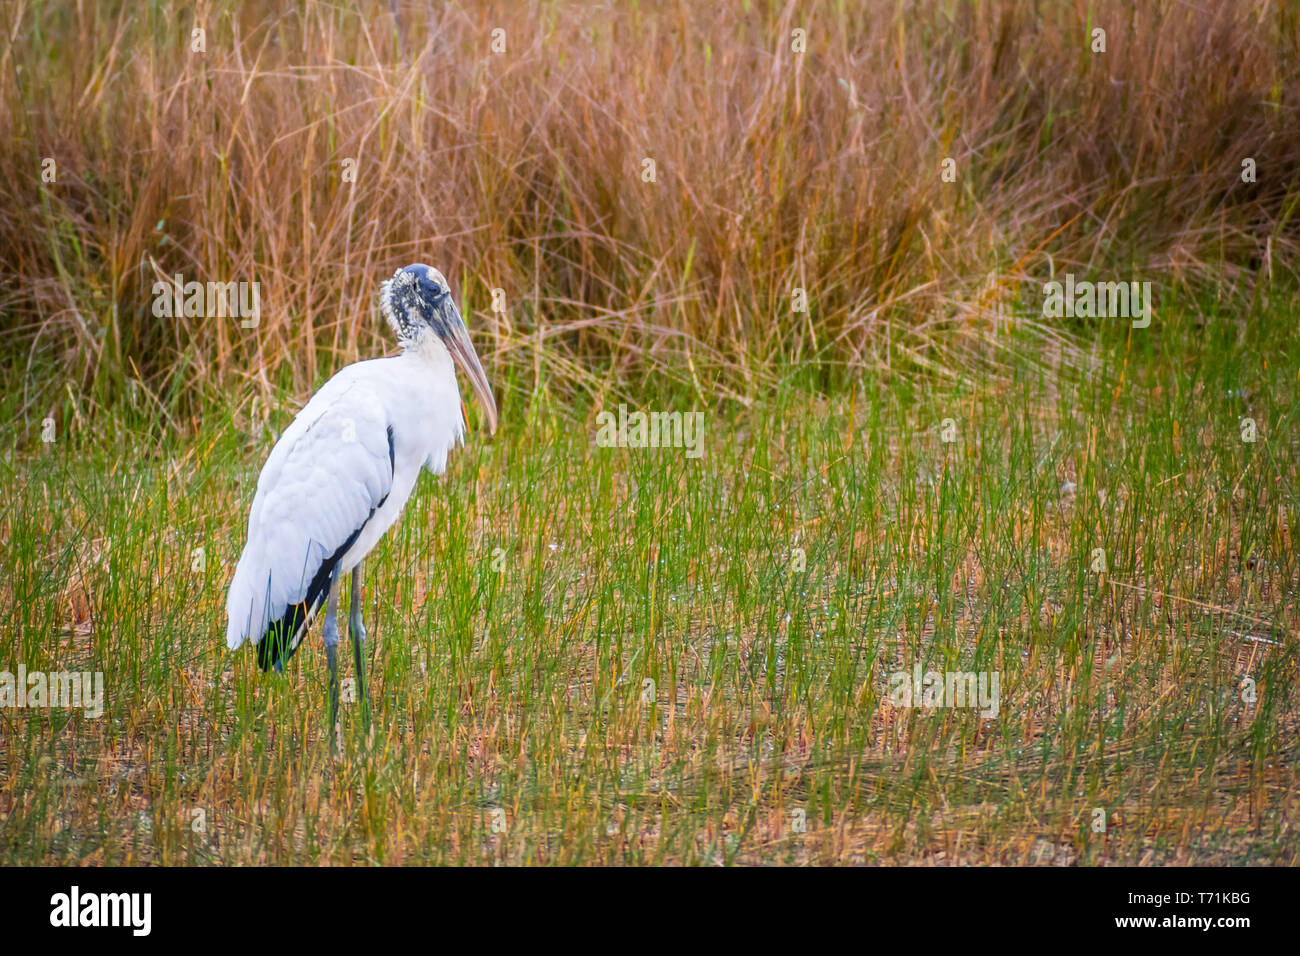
(462, 350)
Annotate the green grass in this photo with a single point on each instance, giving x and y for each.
(516, 680)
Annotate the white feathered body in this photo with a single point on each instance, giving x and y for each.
(342, 471)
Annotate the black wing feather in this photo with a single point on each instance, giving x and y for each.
(282, 636)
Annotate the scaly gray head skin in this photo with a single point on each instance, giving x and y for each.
(417, 302)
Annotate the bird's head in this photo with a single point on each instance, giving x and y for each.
(417, 303)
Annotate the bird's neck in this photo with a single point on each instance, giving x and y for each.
(429, 351)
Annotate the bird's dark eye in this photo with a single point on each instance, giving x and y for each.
(431, 289)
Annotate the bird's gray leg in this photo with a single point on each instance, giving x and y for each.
(358, 631)
(331, 653)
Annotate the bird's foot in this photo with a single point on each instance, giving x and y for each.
(336, 743)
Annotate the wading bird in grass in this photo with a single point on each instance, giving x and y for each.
(343, 470)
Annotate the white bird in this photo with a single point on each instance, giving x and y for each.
(343, 470)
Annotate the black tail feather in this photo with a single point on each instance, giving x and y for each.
(282, 637)
(277, 644)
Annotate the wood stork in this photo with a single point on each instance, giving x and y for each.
(342, 471)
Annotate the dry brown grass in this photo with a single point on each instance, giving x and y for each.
(521, 171)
